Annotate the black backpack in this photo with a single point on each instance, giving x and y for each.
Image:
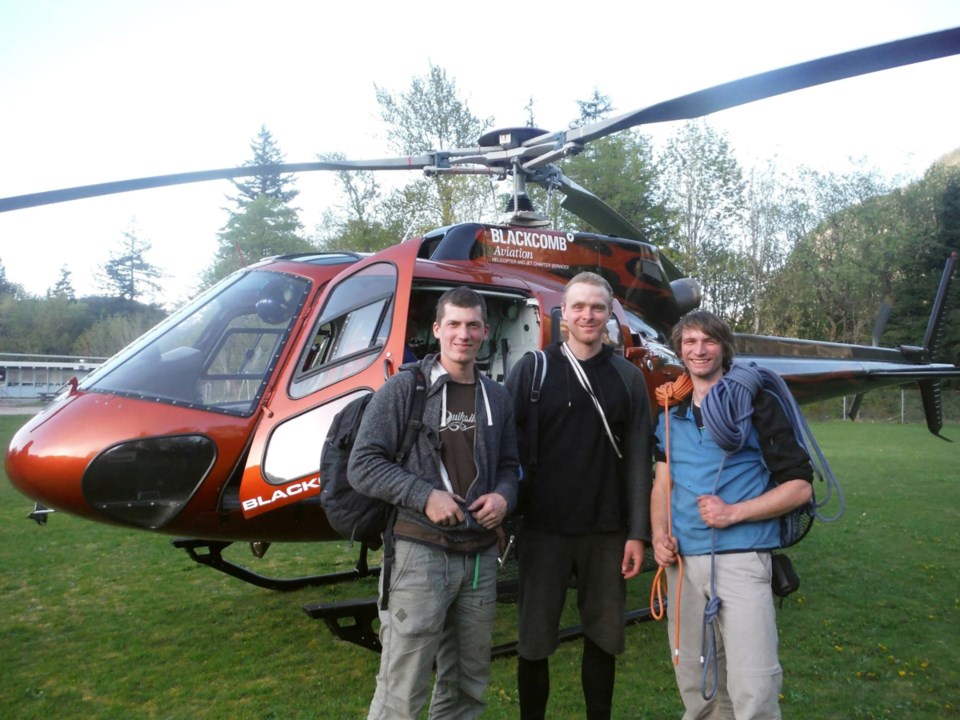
(351, 514)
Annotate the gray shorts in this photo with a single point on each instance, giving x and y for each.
(546, 564)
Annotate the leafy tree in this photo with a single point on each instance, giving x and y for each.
(930, 213)
(702, 188)
(431, 116)
(45, 326)
(768, 223)
(127, 274)
(620, 170)
(108, 336)
(838, 274)
(361, 223)
(265, 152)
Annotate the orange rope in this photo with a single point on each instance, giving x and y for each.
(668, 394)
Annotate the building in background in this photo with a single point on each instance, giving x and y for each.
(40, 377)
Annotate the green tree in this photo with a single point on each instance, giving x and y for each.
(45, 326)
(839, 273)
(263, 228)
(127, 274)
(619, 169)
(109, 335)
(767, 234)
(7, 287)
(63, 288)
(265, 153)
(930, 211)
(596, 107)
(360, 223)
(702, 187)
(263, 223)
(430, 115)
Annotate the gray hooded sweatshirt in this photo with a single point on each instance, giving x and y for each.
(373, 470)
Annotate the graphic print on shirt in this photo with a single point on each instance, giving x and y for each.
(457, 431)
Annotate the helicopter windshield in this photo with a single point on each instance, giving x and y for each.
(217, 352)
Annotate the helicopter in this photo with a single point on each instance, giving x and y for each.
(209, 426)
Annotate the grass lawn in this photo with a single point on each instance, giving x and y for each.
(103, 622)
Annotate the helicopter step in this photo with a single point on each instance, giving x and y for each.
(352, 620)
(210, 553)
(337, 615)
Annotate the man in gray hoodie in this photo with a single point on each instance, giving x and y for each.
(452, 492)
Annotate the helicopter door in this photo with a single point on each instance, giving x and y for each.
(351, 344)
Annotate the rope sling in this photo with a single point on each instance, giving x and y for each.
(727, 412)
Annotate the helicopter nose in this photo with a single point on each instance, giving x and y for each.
(58, 461)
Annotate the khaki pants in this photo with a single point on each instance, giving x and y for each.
(442, 608)
(749, 677)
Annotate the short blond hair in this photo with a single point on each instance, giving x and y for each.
(590, 278)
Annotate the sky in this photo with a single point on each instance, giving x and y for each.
(100, 90)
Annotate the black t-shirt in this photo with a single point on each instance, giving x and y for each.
(579, 484)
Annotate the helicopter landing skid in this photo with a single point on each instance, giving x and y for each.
(210, 553)
(363, 612)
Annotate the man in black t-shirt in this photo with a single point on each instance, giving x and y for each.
(586, 507)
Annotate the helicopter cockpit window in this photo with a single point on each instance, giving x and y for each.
(352, 329)
(218, 352)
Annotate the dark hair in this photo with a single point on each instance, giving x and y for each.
(711, 326)
(461, 297)
(590, 278)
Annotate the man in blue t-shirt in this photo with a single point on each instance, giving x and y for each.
(715, 515)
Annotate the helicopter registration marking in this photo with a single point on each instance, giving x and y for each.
(295, 489)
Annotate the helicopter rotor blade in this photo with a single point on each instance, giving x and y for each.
(51, 197)
(845, 65)
(587, 206)
(535, 150)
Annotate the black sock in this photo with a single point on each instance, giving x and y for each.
(597, 672)
(533, 686)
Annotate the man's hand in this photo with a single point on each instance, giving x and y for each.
(632, 559)
(443, 508)
(715, 512)
(665, 549)
(489, 510)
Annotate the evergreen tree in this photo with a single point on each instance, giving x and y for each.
(127, 274)
(263, 228)
(596, 107)
(274, 185)
(7, 287)
(263, 224)
(64, 286)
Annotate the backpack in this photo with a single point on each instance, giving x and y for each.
(353, 515)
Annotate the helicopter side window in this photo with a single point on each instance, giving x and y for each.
(352, 329)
